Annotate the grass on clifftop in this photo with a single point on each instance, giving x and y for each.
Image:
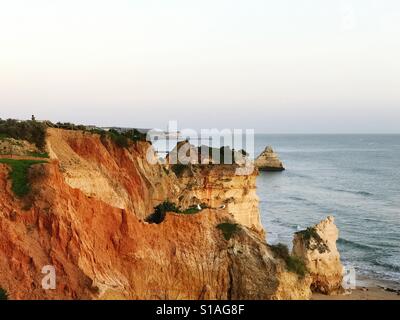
(228, 229)
(39, 154)
(19, 174)
(3, 136)
(3, 294)
(293, 264)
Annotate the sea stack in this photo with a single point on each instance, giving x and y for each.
(316, 246)
(268, 160)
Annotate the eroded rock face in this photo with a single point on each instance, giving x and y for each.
(229, 188)
(103, 252)
(122, 178)
(85, 218)
(221, 188)
(268, 160)
(317, 247)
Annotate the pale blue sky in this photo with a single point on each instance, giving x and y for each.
(275, 66)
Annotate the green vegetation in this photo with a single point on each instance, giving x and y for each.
(179, 168)
(19, 174)
(192, 209)
(311, 234)
(3, 294)
(38, 154)
(293, 264)
(228, 229)
(280, 250)
(296, 265)
(160, 211)
(68, 126)
(122, 139)
(119, 139)
(32, 131)
(3, 136)
(204, 153)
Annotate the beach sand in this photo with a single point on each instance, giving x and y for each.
(370, 293)
(367, 289)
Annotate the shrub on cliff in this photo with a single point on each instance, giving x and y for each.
(179, 168)
(160, 211)
(19, 174)
(3, 294)
(228, 229)
(312, 240)
(135, 135)
(293, 264)
(119, 139)
(122, 139)
(296, 265)
(32, 131)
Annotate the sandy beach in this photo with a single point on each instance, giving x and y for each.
(374, 293)
(367, 290)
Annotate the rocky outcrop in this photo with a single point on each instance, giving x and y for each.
(268, 160)
(186, 153)
(220, 187)
(316, 246)
(85, 216)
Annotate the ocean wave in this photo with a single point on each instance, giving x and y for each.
(356, 192)
(279, 222)
(298, 198)
(353, 244)
(387, 265)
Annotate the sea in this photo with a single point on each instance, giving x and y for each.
(355, 178)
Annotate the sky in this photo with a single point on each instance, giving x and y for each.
(299, 66)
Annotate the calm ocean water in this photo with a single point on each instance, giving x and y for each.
(355, 178)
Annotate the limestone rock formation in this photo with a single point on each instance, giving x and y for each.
(268, 161)
(218, 186)
(221, 188)
(85, 216)
(317, 247)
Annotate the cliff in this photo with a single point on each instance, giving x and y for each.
(268, 160)
(120, 177)
(85, 216)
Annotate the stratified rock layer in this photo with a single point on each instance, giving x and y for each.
(268, 160)
(221, 188)
(85, 216)
(317, 247)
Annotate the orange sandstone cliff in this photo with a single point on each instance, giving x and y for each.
(85, 215)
